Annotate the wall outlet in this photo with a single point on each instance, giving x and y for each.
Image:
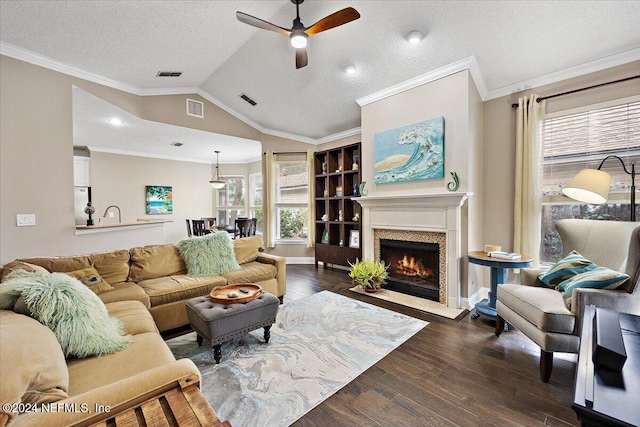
(25, 220)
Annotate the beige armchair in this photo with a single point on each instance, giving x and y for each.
(540, 312)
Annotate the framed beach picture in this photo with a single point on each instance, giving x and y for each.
(410, 153)
(354, 238)
(325, 236)
(159, 200)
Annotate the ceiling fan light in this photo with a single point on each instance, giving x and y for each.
(414, 37)
(299, 40)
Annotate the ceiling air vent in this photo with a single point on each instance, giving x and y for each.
(249, 100)
(177, 144)
(169, 74)
(195, 108)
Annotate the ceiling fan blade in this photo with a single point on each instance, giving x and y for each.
(301, 58)
(257, 22)
(334, 20)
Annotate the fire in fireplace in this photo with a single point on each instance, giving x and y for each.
(413, 267)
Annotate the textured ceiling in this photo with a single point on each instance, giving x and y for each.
(128, 42)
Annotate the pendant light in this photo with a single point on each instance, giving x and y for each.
(217, 182)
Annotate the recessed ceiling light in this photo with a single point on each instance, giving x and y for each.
(116, 121)
(415, 37)
(350, 69)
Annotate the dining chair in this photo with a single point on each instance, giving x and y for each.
(243, 227)
(189, 233)
(199, 228)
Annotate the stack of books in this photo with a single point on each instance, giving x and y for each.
(504, 255)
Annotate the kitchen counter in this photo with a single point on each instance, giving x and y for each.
(104, 228)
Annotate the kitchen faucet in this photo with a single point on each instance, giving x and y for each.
(119, 213)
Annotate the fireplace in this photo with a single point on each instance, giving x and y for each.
(434, 219)
(414, 267)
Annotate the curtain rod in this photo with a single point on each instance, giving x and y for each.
(288, 152)
(581, 89)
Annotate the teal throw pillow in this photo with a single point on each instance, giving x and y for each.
(208, 255)
(75, 314)
(569, 266)
(598, 278)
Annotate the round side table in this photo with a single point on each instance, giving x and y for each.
(498, 275)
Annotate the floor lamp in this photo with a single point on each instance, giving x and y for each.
(592, 185)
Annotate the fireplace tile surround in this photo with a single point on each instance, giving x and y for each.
(430, 218)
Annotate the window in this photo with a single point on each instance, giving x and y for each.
(255, 199)
(292, 200)
(231, 199)
(579, 139)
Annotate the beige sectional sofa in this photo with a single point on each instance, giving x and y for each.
(79, 391)
(157, 276)
(146, 289)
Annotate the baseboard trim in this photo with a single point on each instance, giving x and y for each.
(300, 260)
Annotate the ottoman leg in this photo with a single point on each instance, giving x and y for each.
(199, 339)
(217, 352)
(267, 333)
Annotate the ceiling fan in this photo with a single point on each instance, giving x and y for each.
(298, 32)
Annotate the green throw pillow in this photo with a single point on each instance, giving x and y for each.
(569, 266)
(208, 255)
(75, 314)
(598, 278)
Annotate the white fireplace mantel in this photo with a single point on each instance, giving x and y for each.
(436, 212)
(431, 200)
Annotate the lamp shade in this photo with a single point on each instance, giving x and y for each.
(589, 186)
(217, 184)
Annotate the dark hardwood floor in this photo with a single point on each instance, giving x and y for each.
(448, 374)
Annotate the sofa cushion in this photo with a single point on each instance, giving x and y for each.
(599, 278)
(60, 264)
(208, 255)
(10, 267)
(569, 266)
(544, 307)
(164, 290)
(126, 291)
(251, 272)
(246, 249)
(92, 279)
(150, 262)
(72, 311)
(113, 266)
(33, 368)
(133, 316)
(146, 351)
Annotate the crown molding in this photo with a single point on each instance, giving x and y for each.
(149, 155)
(12, 51)
(340, 135)
(464, 64)
(569, 73)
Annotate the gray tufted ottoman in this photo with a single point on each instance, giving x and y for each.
(221, 322)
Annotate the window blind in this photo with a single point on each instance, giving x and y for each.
(581, 140)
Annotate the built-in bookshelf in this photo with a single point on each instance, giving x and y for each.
(338, 218)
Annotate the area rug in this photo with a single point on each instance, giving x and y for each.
(421, 304)
(318, 345)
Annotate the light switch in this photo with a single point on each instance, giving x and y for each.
(25, 220)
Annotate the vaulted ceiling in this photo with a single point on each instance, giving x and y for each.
(124, 44)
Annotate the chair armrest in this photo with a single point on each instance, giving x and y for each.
(612, 299)
(119, 396)
(281, 270)
(529, 277)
